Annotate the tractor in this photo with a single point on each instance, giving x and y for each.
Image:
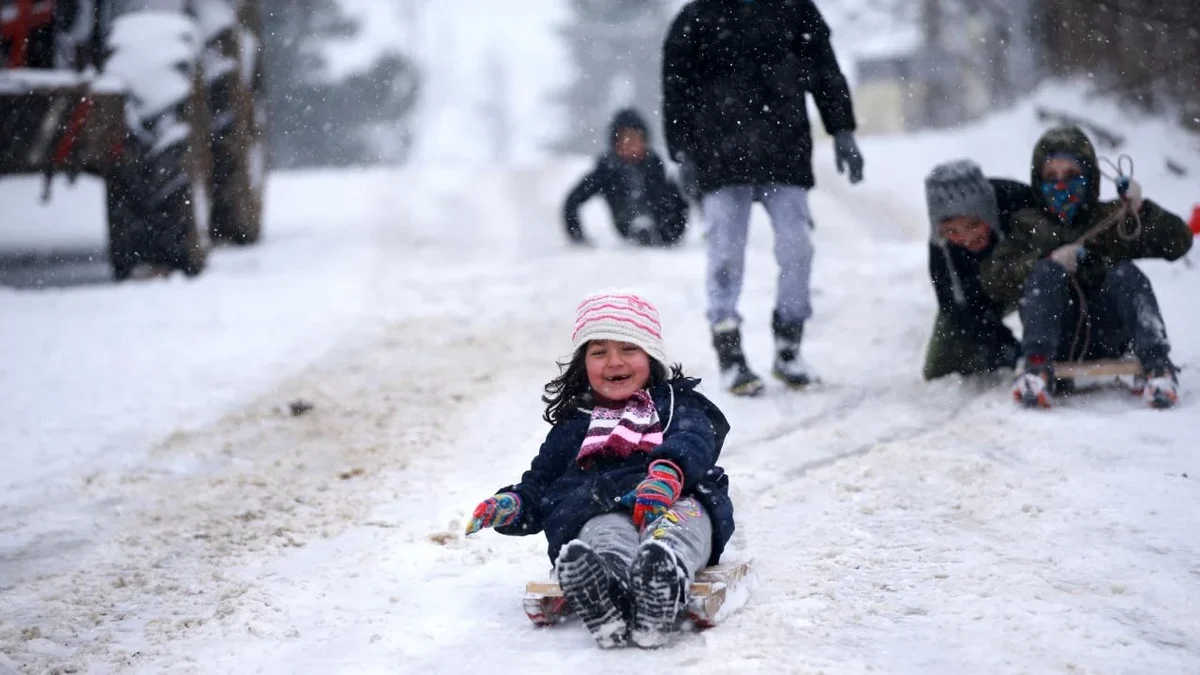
(161, 99)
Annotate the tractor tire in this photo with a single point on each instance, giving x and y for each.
(236, 103)
(158, 203)
(153, 209)
(125, 227)
(175, 210)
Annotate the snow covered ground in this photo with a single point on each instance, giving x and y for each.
(160, 511)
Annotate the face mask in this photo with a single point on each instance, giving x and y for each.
(1065, 196)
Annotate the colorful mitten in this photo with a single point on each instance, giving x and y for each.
(656, 493)
(496, 511)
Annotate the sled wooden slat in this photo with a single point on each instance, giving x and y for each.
(550, 589)
(545, 605)
(1068, 370)
(706, 583)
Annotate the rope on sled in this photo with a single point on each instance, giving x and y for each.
(1122, 218)
(1127, 220)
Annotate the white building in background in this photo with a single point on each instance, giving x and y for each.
(978, 62)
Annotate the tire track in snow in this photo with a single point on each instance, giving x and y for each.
(253, 486)
(832, 409)
(890, 436)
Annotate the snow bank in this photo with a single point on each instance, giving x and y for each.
(150, 369)
(1002, 144)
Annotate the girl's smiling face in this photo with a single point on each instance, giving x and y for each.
(616, 369)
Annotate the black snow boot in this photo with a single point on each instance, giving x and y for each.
(597, 591)
(789, 367)
(736, 376)
(660, 594)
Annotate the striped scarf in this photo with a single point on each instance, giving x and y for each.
(618, 431)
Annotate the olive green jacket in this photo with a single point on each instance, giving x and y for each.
(1036, 232)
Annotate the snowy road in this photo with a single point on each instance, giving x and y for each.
(165, 514)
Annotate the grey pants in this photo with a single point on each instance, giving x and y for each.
(727, 217)
(1123, 315)
(686, 529)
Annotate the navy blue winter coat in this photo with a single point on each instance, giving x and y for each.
(558, 497)
(631, 189)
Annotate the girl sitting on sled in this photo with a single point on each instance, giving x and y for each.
(626, 485)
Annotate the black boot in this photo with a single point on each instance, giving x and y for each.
(735, 374)
(789, 367)
(597, 592)
(660, 594)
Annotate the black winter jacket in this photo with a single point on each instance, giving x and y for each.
(976, 314)
(735, 76)
(558, 497)
(630, 189)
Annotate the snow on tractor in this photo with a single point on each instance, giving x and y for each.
(162, 99)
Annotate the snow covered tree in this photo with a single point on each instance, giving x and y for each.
(316, 121)
(1147, 52)
(987, 41)
(616, 52)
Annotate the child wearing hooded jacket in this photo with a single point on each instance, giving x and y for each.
(647, 207)
(1069, 262)
(626, 485)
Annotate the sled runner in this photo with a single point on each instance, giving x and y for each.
(713, 588)
(1072, 377)
(1097, 369)
(1075, 377)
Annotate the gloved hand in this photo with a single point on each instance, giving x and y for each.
(497, 511)
(1130, 192)
(574, 229)
(656, 493)
(845, 151)
(689, 181)
(1069, 256)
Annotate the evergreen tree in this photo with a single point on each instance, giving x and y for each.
(616, 54)
(317, 122)
(1147, 52)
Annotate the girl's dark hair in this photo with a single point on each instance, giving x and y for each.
(571, 387)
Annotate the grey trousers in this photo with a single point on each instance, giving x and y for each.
(727, 218)
(686, 529)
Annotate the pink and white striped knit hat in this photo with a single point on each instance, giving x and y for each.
(619, 315)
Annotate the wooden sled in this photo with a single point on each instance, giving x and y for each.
(1097, 369)
(714, 586)
(1077, 377)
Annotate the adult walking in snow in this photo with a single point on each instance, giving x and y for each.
(646, 207)
(1069, 263)
(735, 76)
(626, 485)
(968, 214)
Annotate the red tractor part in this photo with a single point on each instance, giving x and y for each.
(16, 27)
